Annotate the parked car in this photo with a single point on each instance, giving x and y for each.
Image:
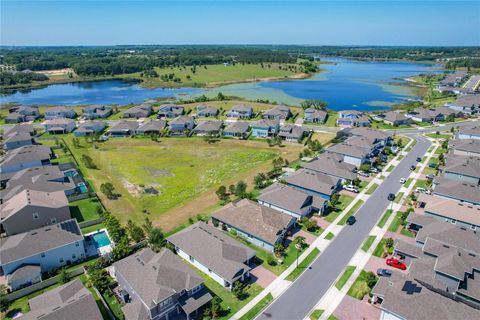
(432, 165)
(430, 176)
(384, 272)
(363, 173)
(403, 180)
(421, 189)
(395, 149)
(351, 188)
(413, 167)
(419, 159)
(384, 158)
(351, 220)
(391, 196)
(374, 170)
(395, 263)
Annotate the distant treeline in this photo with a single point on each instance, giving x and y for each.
(463, 63)
(91, 61)
(12, 78)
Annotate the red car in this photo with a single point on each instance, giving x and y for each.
(396, 264)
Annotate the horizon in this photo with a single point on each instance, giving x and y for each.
(311, 23)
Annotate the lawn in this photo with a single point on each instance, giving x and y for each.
(332, 119)
(390, 169)
(396, 222)
(181, 170)
(324, 138)
(379, 249)
(302, 266)
(345, 276)
(316, 314)
(93, 228)
(398, 197)
(329, 236)
(212, 75)
(407, 233)
(368, 243)
(438, 136)
(408, 182)
(384, 218)
(252, 313)
(421, 184)
(352, 211)
(372, 188)
(360, 287)
(113, 305)
(343, 202)
(86, 209)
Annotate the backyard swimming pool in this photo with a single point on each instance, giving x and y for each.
(99, 239)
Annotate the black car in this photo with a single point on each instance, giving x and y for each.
(391, 197)
(432, 165)
(384, 272)
(419, 159)
(412, 167)
(351, 220)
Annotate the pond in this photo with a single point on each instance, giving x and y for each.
(344, 84)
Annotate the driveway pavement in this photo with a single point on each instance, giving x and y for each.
(354, 309)
(297, 301)
(262, 276)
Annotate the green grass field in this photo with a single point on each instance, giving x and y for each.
(384, 218)
(302, 266)
(380, 248)
(372, 188)
(84, 210)
(345, 276)
(395, 223)
(368, 243)
(343, 202)
(180, 169)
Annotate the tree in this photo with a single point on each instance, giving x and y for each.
(4, 302)
(260, 180)
(231, 189)
(300, 242)
(222, 193)
(238, 289)
(365, 167)
(135, 232)
(108, 190)
(156, 239)
(147, 226)
(214, 310)
(309, 224)
(100, 279)
(315, 104)
(278, 163)
(400, 143)
(371, 279)
(389, 243)
(279, 249)
(88, 161)
(64, 277)
(76, 143)
(122, 249)
(241, 189)
(334, 199)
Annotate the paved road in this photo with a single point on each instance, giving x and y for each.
(308, 289)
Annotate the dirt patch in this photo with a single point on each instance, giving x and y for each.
(159, 172)
(131, 188)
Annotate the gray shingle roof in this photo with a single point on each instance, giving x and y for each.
(237, 127)
(153, 125)
(209, 126)
(28, 128)
(262, 222)
(467, 145)
(124, 126)
(464, 165)
(27, 154)
(332, 166)
(313, 181)
(457, 189)
(212, 248)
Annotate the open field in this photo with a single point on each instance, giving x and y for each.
(219, 74)
(185, 172)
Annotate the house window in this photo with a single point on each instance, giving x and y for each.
(453, 221)
(191, 259)
(35, 216)
(53, 220)
(74, 256)
(196, 289)
(42, 255)
(61, 260)
(473, 227)
(77, 244)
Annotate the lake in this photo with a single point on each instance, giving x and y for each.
(345, 84)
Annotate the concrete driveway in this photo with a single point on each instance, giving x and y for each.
(262, 276)
(354, 309)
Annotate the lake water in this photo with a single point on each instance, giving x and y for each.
(347, 84)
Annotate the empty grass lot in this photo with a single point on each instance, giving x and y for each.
(185, 171)
(368, 243)
(302, 266)
(345, 276)
(384, 218)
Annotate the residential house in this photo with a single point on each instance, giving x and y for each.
(16, 140)
(89, 128)
(350, 152)
(170, 111)
(152, 127)
(181, 125)
(394, 118)
(208, 127)
(158, 286)
(457, 190)
(59, 125)
(425, 115)
(22, 114)
(291, 133)
(46, 179)
(49, 248)
(19, 128)
(292, 201)
(221, 257)
(277, 113)
(238, 129)
(449, 113)
(315, 115)
(334, 166)
(140, 111)
(123, 129)
(241, 112)
(26, 157)
(462, 168)
(449, 210)
(260, 225)
(70, 301)
(469, 133)
(465, 147)
(467, 104)
(60, 112)
(96, 112)
(352, 118)
(314, 183)
(31, 209)
(205, 111)
(265, 128)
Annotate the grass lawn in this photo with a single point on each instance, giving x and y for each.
(384, 218)
(185, 172)
(396, 222)
(421, 184)
(352, 211)
(316, 314)
(302, 266)
(332, 119)
(398, 197)
(113, 305)
(390, 169)
(95, 227)
(380, 248)
(343, 202)
(438, 136)
(100, 304)
(252, 313)
(372, 188)
(84, 210)
(368, 243)
(408, 182)
(329, 236)
(323, 138)
(345, 276)
(215, 74)
(360, 287)
(407, 233)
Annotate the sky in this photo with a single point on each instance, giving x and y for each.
(402, 23)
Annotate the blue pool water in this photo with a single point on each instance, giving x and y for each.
(99, 239)
(83, 188)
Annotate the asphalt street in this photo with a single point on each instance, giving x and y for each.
(297, 301)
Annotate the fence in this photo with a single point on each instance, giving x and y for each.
(89, 223)
(41, 285)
